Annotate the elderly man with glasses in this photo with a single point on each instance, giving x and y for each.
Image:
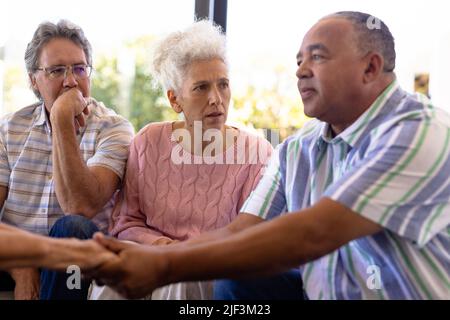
(62, 159)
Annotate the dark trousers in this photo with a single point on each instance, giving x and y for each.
(6, 282)
(54, 285)
(284, 286)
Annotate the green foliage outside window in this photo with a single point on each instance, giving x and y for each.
(131, 93)
(106, 82)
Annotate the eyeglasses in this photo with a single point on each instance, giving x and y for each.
(79, 71)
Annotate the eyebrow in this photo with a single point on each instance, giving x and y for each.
(73, 64)
(206, 81)
(315, 46)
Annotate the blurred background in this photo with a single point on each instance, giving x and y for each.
(263, 39)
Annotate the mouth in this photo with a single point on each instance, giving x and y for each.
(214, 114)
(307, 93)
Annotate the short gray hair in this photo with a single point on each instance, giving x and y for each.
(372, 35)
(203, 40)
(47, 31)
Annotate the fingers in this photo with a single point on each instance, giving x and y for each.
(73, 103)
(106, 269)
(110, 243)
(97, 236)
(89, 101)
(77, 126)
(80, 118)
(85, 112)
(107, 274)
(83, 103)
(163, 241)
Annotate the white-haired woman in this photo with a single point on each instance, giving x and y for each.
(190, 176)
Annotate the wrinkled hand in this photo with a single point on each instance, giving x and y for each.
(138, 270)
(27, 283)
(73, 105)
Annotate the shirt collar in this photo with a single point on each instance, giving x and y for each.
(42, 119)
(352, 134)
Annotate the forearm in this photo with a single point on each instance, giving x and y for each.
(257, 251)
(77, 188)
(241, 222)
(22, 249)
(210, 236)
(282, 243)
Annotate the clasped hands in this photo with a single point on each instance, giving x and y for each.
(131, 269)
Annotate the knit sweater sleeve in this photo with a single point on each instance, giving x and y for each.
(128, 220)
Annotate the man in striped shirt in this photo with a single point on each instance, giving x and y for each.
(359, 198)
(62, 159)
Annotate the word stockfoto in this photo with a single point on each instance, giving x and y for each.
(209, 145)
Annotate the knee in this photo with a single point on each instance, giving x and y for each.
(284, 286)
(227, 290)
(73, 226)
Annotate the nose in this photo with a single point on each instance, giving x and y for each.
(303, 70)
(214, 96)
(69, 78)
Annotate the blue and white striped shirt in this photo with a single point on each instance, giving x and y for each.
(26, 162)
(392, 166)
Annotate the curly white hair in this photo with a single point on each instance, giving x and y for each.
(172, 55)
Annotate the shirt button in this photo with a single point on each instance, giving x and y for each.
(43, 210)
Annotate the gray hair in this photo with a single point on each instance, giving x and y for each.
(47, 31)
(372, 35)
(172, 56)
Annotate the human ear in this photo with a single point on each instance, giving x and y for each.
(374, 64)
(33, 81)
(173, 99)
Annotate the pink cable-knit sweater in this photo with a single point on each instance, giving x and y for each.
(163, 199)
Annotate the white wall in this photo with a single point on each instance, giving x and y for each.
(440, 71)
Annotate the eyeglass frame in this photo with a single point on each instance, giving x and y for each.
(66, 68)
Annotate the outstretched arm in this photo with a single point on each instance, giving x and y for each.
(19, 249)
(285, 242)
